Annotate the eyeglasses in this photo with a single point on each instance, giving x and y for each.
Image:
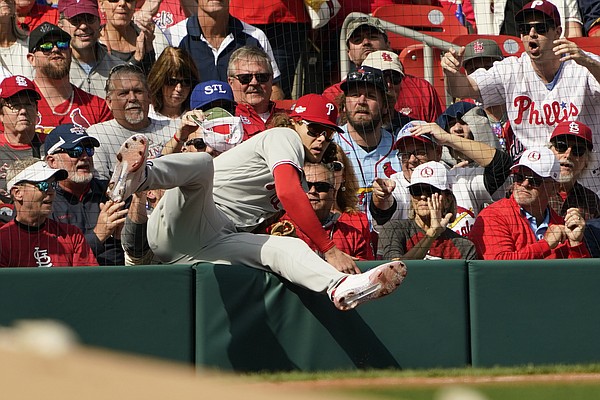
(175, 82)
(540, 27)
(44, 186)
(198, 143)
(316, 131)
(85, 18)
(423, 190)
(321, 187)
(367, 77)
(245, 79)
(534, 181)
(394, 77)
(420, 154)
(47, 47)
(577, 149)
(77, 151)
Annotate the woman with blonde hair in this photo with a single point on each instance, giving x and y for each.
(13, 42)
(170, 81)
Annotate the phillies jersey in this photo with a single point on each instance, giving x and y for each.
(53, 244)
(83, 109)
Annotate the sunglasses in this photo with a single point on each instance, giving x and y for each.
(198, 143)
(420, 154)
(77, 151)
(577, 149)
(175, 82)
(316, 131)
(44, 186)
(423, 190)
(534, 181)
(367, 77)
(540, 27)
(245, 79)
(321, 187)
(47, 47)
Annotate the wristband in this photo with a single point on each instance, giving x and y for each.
(176, 138)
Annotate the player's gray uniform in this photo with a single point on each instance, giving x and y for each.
(187, 226)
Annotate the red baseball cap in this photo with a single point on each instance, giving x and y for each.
(545, 7)
(71, 8)
(576, 129)
(316, 108)
(16, 84)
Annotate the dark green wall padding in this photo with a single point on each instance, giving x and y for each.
(446, 314)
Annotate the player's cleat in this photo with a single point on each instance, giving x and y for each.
(352, 290)
(130, 170)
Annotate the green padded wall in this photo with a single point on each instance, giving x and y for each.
(541, 312)
(248, 320)
(145, 310)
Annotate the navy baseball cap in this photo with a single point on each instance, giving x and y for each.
(455, 111)
(209, 91)
(365, 75)
(66, 137)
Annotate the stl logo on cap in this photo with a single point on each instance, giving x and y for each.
(427, 172)
(78, 130)
(574, 128)
(386, 57)
(478, 47)
(534, 156)
(21, 80)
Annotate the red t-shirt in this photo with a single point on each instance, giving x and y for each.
(252, 122)
(38, 15)
(54, 244)
(262, 12)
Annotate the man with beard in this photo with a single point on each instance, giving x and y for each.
(80, 198)
(128, 97)
(61, 102)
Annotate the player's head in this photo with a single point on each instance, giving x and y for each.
(415, 150)
(365, 35)
(571, 142)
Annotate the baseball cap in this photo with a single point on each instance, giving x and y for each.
(404, 134)
(38, 172)
(574, 128)
(71, 8)
(480, 48)
(316, 108)
(67, 136)
(431, 173)
(39, 34)
(540, 160)
(221, 130)
(360, 21)
(15, 84)
(209, 91)
(384, 60)
(545, 7)
(455, 111)
(365, 75)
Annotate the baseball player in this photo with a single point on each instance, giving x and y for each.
(210, 209)
(551, 82)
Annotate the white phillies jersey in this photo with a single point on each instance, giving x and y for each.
(244, 186)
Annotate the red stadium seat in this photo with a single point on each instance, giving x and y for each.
(591, 44)
(412, 59)
(510, 45)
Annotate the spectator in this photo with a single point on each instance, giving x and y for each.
(524, 227)
(80, 198)
(212, 36)
(349, 232)
(13, 42)
(417, 99)
(252, 183)
(31, 239)
(425, 234)
(61, 102)
(590, 11)
(90, 62)
(31, 14)
(210, 94)
(128, 97)
(250, 75)
(170, 82)
(163, 14)
(572, 145)
(551, 82)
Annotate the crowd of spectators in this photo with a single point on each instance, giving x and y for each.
(382, 170)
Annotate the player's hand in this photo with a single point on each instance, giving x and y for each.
(431, 128)
(382, 193)
(568, 50)
(574, 226)
(555, 235)
(452, 61)
(111, 217)
(341, 261)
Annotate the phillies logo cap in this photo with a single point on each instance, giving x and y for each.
(16, 84)
(545, 7)
(316, 108)
(540, 160)
(574, 128)
(71, 8)
(431, 173)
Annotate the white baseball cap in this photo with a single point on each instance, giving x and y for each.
(384, 60)
(431, 173)
(38, 172)
(540, 160)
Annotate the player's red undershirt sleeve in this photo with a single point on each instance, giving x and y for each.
(296, 204)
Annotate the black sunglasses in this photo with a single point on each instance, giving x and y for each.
(77, 151)
(245, 79)
(316, 131)
(175, 82)
(321, 187)
(47, 47)
(44, 186)
(540, 27)
(423, 190)
(198, 143)
(577, 149)
(367, 77)
(534, 181)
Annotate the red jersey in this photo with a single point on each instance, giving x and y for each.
(54, 244)
(169, 13)
(262, 12)
(83, 109)
(38, 15)
(251, 121)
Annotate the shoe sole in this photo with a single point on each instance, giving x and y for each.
(382, 283)
(130, 158)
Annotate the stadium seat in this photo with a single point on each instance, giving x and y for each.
(591, 44)
(510, 45)
(431, 20)
(412, 59)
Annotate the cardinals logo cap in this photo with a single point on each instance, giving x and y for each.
(540, 160)
(431, 173)
(574, 128)
(15, 84)
(384, 60)
(316, 108)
